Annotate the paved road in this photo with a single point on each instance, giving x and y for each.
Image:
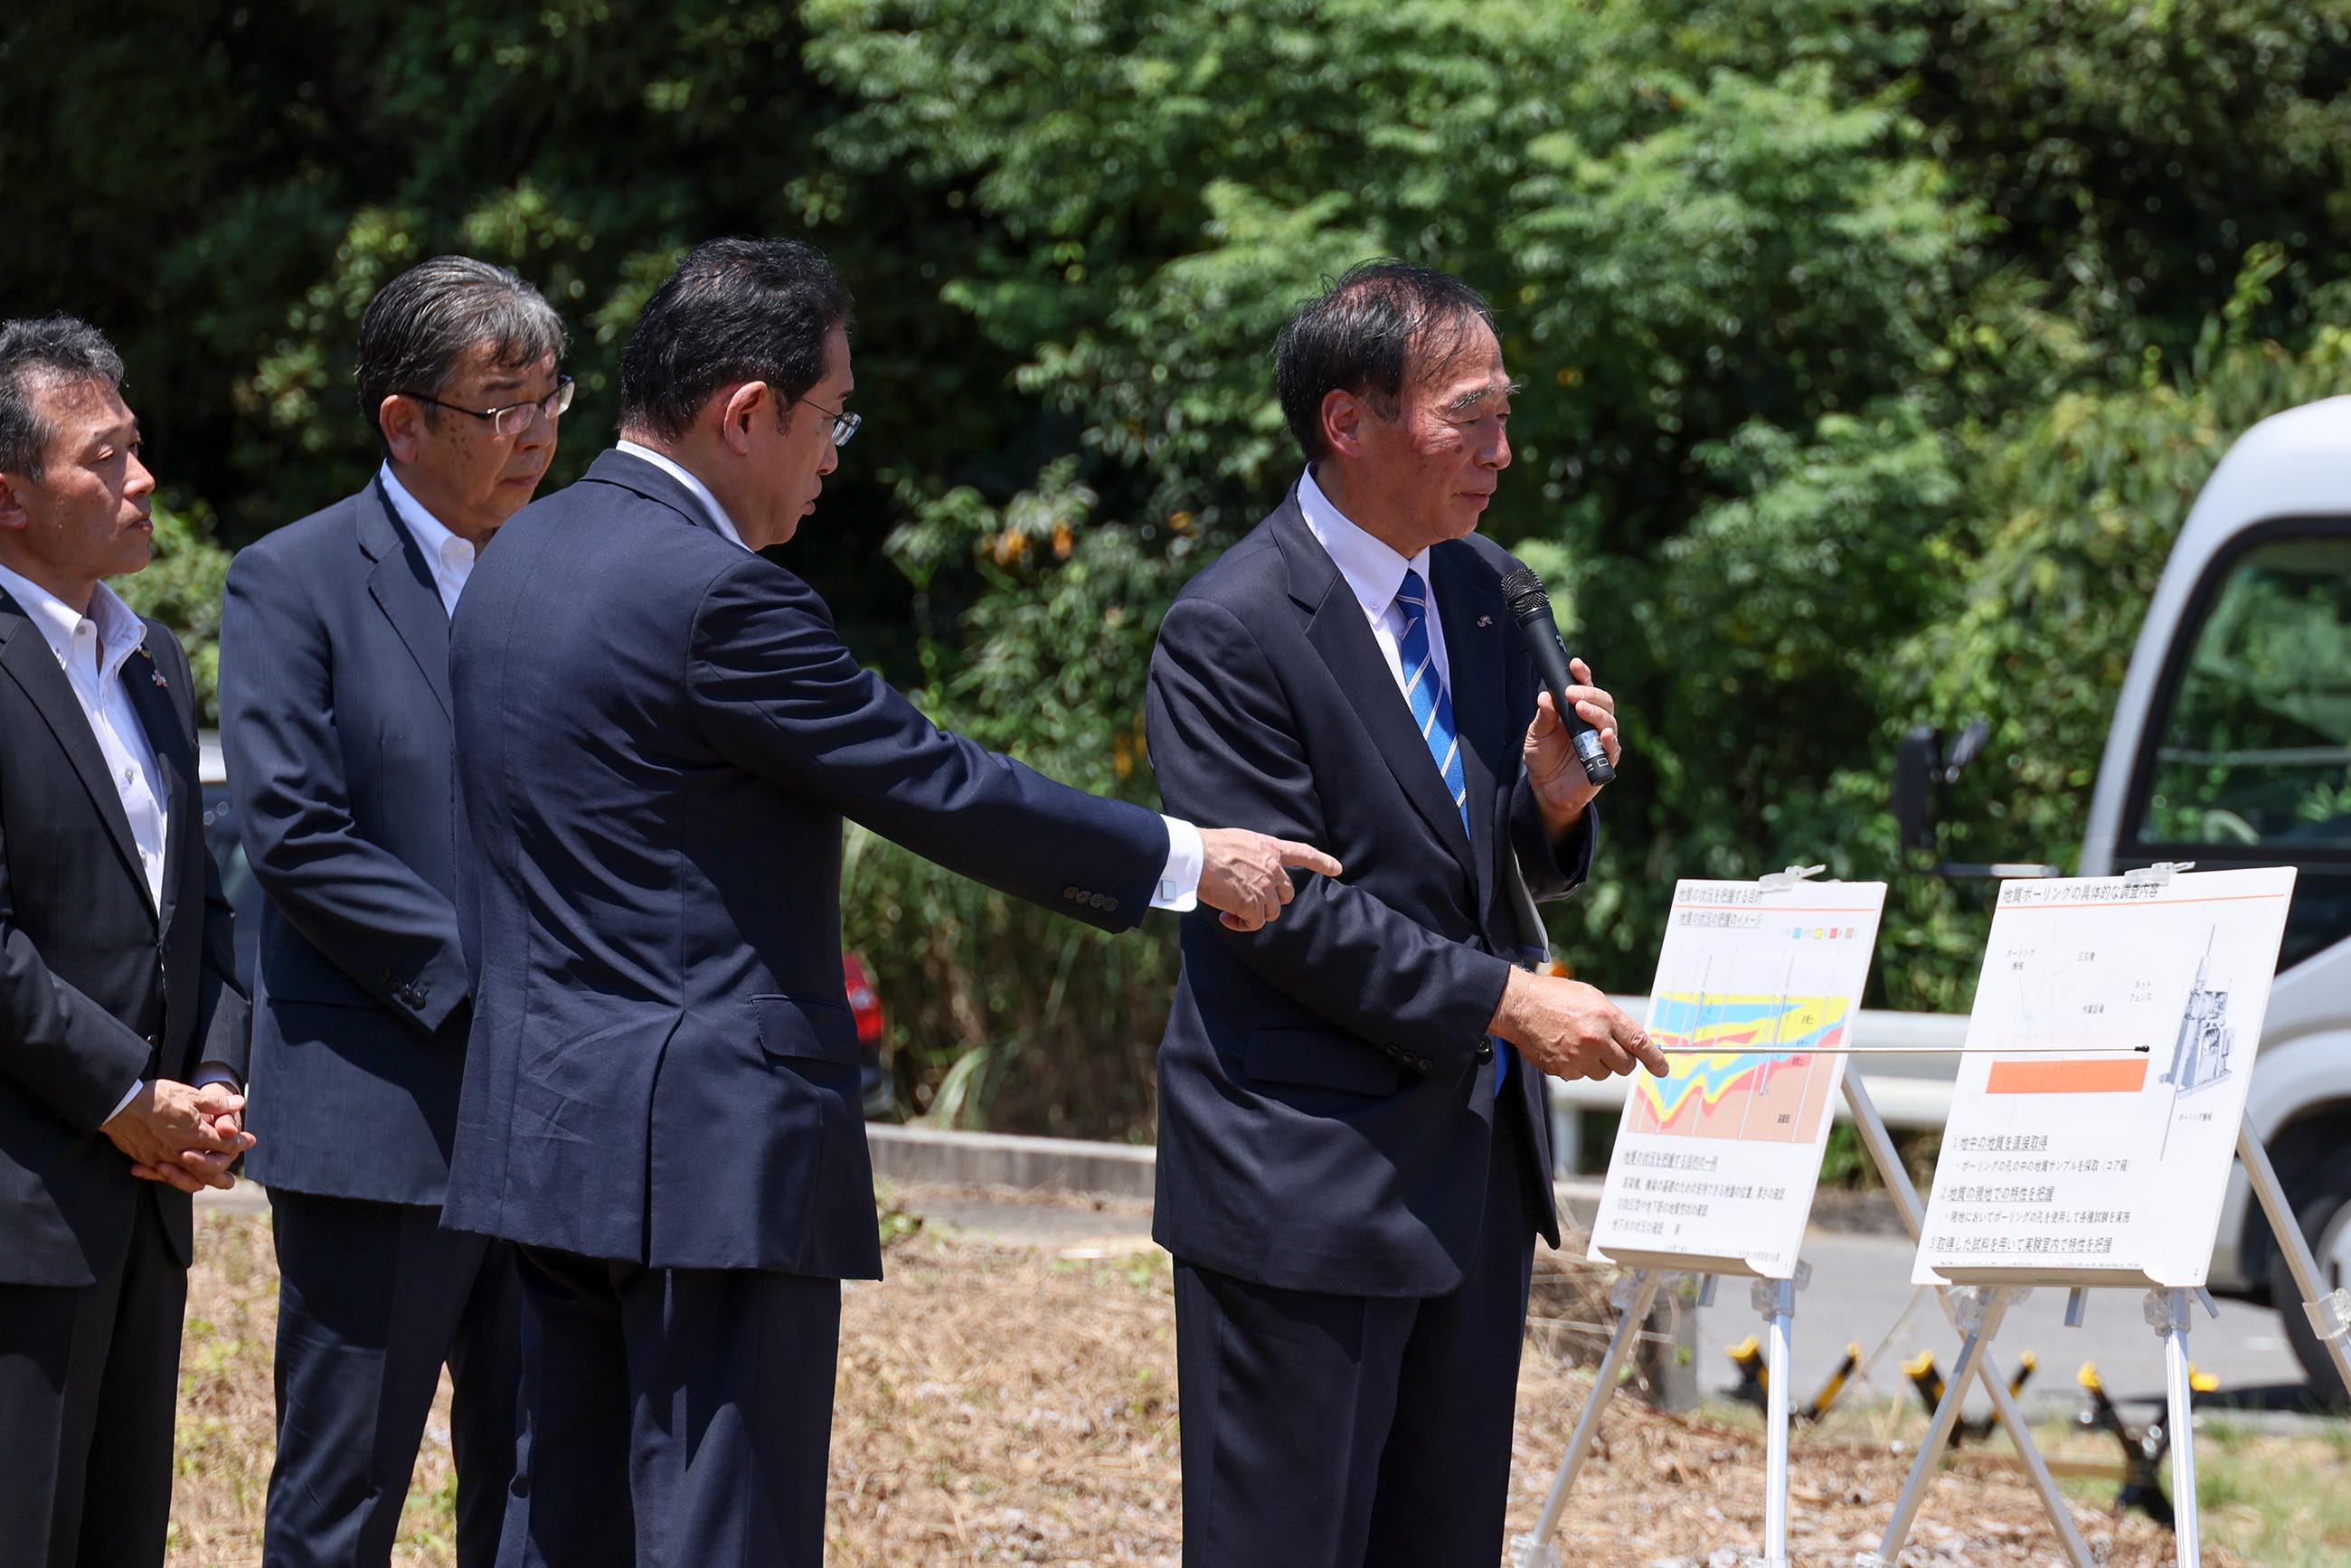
(1860, 1288)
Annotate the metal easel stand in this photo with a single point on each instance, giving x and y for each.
(1976, 1311)
(1871, 1128)
(2166, 1315)
(1776, 1300)
(2329, 1311)
(1632, 1296)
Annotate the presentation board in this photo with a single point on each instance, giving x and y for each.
(2111, 1045)
(1715, 1164)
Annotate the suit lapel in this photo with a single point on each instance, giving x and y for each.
(1473, 651)
(1344, 638)
(161, 719)
(26, 656)
(401, 585)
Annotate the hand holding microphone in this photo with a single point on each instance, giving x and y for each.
(1571, 751)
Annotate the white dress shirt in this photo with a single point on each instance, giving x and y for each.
(92, 650)
(451, 558)
(1178, 888)
(1375, 573)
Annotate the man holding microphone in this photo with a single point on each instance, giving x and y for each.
(1353, 1153)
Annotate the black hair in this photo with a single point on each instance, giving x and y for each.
(1378, 324)
(421, 324)
(48, 348)
(735, 311)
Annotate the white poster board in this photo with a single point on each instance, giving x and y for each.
(1715, 1164)
(2112, 1044)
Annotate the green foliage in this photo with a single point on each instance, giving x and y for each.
(1873, 354)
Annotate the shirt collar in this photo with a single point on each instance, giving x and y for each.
(121, 631)
(678, 472)
(433, 536)
(1373, 570)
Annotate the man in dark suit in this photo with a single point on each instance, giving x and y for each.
(658, 735)
(1353, 1153)
(122, 1033)
(335, 717)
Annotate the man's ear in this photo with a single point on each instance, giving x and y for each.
(744, 404)
(1342, 423)
(402, 421)
(15, 517)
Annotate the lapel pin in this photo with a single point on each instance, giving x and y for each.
(161, 681)
(1484, 621)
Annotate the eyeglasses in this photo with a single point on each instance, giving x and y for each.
(844, 426)
(514, 418)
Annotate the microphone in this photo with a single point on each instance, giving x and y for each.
(1523, 591)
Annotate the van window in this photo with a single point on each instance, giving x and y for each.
(2255, 752)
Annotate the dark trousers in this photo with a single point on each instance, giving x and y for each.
(672, 1416)
(89, 1381)
(1333, 1431)
(373, 1298)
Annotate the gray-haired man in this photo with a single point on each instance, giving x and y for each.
(335, 717)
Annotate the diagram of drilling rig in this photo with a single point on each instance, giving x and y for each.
(2200, 1057)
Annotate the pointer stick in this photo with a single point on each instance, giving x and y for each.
(1904, 1051)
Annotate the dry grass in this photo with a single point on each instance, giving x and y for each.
(1002, 1405)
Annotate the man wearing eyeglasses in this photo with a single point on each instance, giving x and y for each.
(335, 718)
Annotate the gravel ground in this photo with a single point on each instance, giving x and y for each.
(1002, 1404)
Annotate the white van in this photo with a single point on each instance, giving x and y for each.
(2230, 746)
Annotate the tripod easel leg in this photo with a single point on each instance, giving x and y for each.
(1776, 1299)
(1980, 1320)
(1534, 1547)
(1871, 1128)
(2167, 1313)
(2329, 1311)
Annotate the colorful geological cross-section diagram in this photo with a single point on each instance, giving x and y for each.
(1756, 1074)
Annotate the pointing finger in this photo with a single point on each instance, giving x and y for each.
(1308, 856)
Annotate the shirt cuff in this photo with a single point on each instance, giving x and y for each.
(124, 1103)
(1179, 881)
(214, 1072)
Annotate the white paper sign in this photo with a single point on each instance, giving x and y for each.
(2091, 1142)
(1716, 1163)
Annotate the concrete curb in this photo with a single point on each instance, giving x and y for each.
(1073, 1164)
(1000, 1160)
(1004, 1159)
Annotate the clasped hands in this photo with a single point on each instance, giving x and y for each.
(181, 1135)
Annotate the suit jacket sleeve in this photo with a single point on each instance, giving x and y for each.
(223, 1028)
(781, 696)
(1552, 869)
(364, 908)
(1225, 749)
(63, 1049)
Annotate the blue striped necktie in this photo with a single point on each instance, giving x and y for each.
(1432, 709)
(1424, 688)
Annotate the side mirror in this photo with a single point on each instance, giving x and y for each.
(1923, 767)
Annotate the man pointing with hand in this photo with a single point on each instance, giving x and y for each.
(659, 733)
(1353, 1153)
